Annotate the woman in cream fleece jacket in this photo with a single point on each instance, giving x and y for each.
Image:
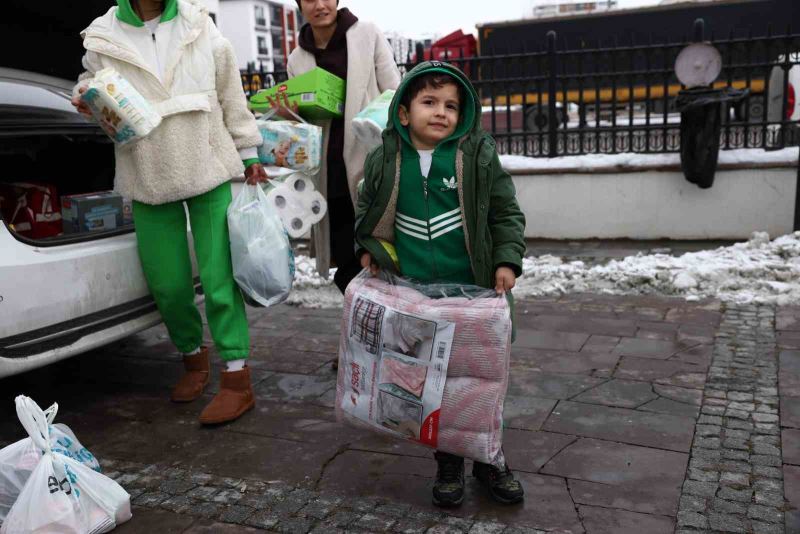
(176, 58)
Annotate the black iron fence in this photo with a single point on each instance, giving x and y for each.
(620, 97)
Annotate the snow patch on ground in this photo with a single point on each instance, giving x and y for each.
(635, 160)
(310, 290)
(760, 270)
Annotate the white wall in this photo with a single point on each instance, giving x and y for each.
(237, 23)
(655, 205)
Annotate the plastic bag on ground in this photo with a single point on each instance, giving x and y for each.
(18, 460)
(62, 495)
(263, 262)
(428, 363)
(370, 122)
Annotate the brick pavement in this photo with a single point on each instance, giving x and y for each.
(603, 418)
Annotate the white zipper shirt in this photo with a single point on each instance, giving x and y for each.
(425, 159)
(152, 25)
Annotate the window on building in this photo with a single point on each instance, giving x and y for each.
(277, 41)
(261, 19)
(263, 50)
(276, 15)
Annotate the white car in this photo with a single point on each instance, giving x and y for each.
(61, 295)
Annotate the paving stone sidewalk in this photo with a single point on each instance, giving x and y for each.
(607, 426)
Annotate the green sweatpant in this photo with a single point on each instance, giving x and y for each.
(164, 252)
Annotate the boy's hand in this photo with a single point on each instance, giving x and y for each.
(504, 280)
(367, 262)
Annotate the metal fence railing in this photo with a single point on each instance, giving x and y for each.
(593, 99)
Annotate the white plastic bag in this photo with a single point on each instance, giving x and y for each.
(369, 123)
(123, 113)
(18, 460)
(62, 495)
(263, 262)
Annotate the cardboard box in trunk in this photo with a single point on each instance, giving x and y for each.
(91, 212)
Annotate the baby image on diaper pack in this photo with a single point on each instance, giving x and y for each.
(289, 144)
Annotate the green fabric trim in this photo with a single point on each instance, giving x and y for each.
(170, 10)
(127, 14)
(250, 161)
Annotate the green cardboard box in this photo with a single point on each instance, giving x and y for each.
(318, 94)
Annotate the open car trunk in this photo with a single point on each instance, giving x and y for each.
(40, 174)
(49, 154)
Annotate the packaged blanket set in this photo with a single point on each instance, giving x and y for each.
(426, 363)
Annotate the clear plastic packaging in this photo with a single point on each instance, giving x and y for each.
(294, 145)
(263, 262)
(369, 123)
(297, 202)
(123, 113)
(428, 363)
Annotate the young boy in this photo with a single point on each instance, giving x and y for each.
(436, 206)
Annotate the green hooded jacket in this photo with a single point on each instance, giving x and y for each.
(494, 226)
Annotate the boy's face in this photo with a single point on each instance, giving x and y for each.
(432, 115)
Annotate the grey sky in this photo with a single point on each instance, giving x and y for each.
(414, 18)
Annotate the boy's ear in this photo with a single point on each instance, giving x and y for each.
(402, 114)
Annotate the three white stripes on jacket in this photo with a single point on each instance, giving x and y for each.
(428, 231)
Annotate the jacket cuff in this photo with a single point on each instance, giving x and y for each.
(249, 153)
(249, 161)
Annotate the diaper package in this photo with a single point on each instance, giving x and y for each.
(290, 144)
(123, 113)
(371, 121)
(297, 203)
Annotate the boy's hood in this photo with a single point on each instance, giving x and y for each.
(126, 13)
(469, 117)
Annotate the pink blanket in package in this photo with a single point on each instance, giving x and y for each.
(470, 418)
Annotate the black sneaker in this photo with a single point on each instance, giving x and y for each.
(448, 490)
(502, 486)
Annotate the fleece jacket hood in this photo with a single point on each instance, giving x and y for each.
(128, 15)
(470, 112)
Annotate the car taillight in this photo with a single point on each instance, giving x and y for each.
(790, 101)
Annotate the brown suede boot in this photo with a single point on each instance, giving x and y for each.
(194, 381)
(234, 398)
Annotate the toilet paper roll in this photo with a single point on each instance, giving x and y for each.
(298, 204)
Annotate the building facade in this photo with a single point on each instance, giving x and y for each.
(263, 32)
